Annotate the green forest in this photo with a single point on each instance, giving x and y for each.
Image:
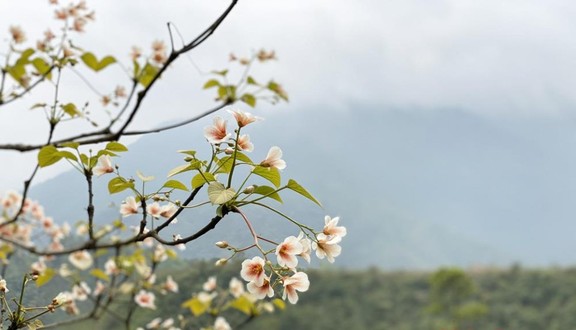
(447, 299)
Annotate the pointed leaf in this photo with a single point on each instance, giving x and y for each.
(92, 62)
(268, 192)
(99, 273)
(45, 277)
(211, 83)
(269, 173)
(196, 306)
(243, 304)
(119, 184)
(48, 155)
(116, 146)
(42, 67)
(70, 109)
(143, 177)
(218, 194)
(200, 179)
(147, 74)
(67, 155)
(193, 165)
(249, 99)
(293, 185)
(175, 184)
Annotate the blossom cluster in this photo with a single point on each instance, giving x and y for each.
(21, 219)
(259, 273)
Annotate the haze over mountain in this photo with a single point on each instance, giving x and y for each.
(415, 188)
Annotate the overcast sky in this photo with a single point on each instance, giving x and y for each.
(492, 57)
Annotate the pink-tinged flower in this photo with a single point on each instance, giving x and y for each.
(81, 259)
(158, 46)
(327, 247)
(61, 299)
(154, 210)
(129, 206)
(81, 291)
(160, 254)
(17, 34)
(104, 166)
(99, 288)
(217, 132)
(135, 53)
(236, 287)
(287, 251)
(253, 270)
(274, 159)
(170, 285)
(297, 282)
(110, 267)
(221, 324)
(39, 266)
(331, 228)
(3, 286)
(145, 299)
(61, 14)
(210, 284)
(261, 291)
(306, 246)
(243, 118)
(79, 24)
(244, 143)
(168, 210)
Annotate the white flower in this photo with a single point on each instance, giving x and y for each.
(331, 228)
(327, 247)
(286, 252)
(170, 285)
(274, 159)
(243, 118)
(221, 324)
(306, 246)
(236, 287)
(297, 282)
(81, 259)
(154, 210)
(210, 284)
(253, 270)
(217, 132)
(104, 166)
(129, 207)
(244, 143)
(261, 291)
(145, 299)
(3, 286)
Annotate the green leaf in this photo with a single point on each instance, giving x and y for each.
(17, 71)
(92, 62)
(71, 145)
(196, 306)
(251, 81)
(35, 324)
(175, 184)
(193, 165)
(243, 304)
(188, 152)
(119, 184)
(225, 163)
(211, 83)
(279, 303)
(42, 67)
(99, 273)
(269, 173)
(45, 277)
(249, 99)
(218, 194)
(38, 105)
(200, 179)
(268, 192)
(278, 90)
(222, 73)
(48, 155)
(116, 146)
(67, 155)
(147, 75)
(293, 185)
(70, 109)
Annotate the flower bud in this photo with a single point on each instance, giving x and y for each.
(229, 151)
(249, 189)
(221, 262)
(222, 244)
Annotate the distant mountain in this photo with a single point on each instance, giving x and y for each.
(416, 189)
